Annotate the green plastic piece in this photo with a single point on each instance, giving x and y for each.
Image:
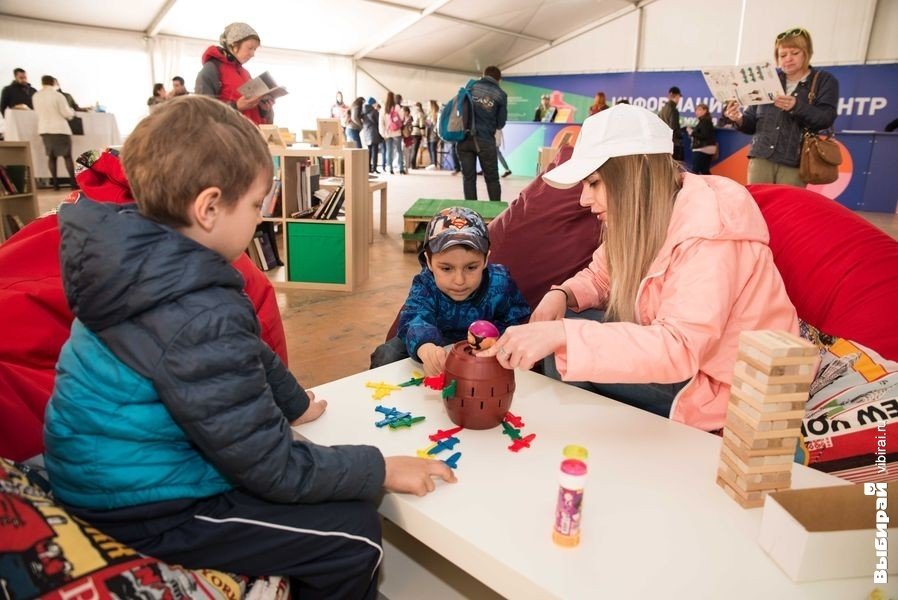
(405, 422)
(510, 431)
(449, 390)
(412, 381)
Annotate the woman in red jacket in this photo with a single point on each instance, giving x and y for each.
(223, 73)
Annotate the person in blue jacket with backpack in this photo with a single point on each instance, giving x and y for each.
(490, 111)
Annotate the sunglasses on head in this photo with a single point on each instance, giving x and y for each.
(791, 33)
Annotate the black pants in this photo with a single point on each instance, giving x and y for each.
(329, 550)
(468, 154)
(393, 350)
(416, 144)
(372, 155)
(656, 398)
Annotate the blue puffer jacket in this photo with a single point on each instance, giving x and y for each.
(164, 389)
(429, 315)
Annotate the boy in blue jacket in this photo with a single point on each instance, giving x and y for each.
(455, 287)
(169, 428)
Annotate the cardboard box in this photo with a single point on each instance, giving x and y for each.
(828, 533)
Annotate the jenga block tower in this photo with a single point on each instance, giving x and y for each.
(773, 373)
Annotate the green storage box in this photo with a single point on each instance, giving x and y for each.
(317, 252)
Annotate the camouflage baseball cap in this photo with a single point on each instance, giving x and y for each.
(457, 226)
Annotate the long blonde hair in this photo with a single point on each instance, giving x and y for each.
(640, 191)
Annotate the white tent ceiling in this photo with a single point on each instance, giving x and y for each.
(458, 35)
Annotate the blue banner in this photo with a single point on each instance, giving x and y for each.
(868, 94)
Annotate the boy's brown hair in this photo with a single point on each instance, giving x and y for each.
(189, 144)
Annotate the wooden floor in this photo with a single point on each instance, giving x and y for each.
(331, 334)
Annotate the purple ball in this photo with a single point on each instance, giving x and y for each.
(482, 335)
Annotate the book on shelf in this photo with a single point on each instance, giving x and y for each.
(8, 188)
(321, 209)
(307, 183)
(262, 263)
(20, 176)
(304, 214)
(321, 195)
(268, 253)
(334, 205)
(271, 203)
(263, 85)
(253, 254)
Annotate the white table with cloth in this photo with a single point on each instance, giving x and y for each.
(100, 131)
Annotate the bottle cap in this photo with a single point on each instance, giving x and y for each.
(572, 466)
(575, 451)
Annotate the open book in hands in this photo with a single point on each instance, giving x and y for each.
(263, 85)
(745, 84)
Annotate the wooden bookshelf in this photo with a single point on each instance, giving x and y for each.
(323, 254)
(24, 204)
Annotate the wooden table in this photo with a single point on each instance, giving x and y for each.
(655, 523)
(423, 210)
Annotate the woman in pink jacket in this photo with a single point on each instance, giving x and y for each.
(683, 268)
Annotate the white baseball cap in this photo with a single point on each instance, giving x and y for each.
(621, 130)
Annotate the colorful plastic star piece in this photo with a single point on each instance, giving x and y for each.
(443, 434)
(436, 382)
(381, 389)
(405, 422)
(452, 461)
(514, 420)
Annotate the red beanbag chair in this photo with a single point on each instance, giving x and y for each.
(544, 236)
(841, 272)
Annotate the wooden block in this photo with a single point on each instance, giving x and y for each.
(745, 483)
(777, 344)
(742, 375)
(773, 376)
(745, 449)
(766, 429)
(769, 402)
(758, 413)
(767, 460)
(757, 481)
(755, 501)
(737, 422)
(759, 360)
(764, 467)
(753, 443)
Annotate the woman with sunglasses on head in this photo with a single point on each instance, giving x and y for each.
(778, 128)
(682, 269)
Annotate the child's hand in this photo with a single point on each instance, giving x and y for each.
(315, 410)
(433, 358)
(411, 475)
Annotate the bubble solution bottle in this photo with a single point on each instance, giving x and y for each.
(571, 481)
